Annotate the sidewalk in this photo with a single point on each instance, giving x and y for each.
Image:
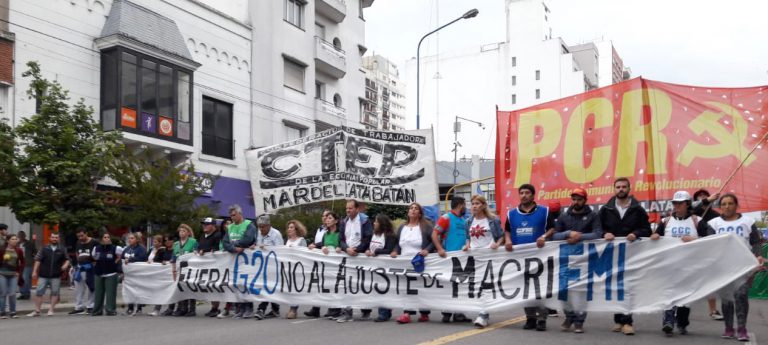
(66, 303)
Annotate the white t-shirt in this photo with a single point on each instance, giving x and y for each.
(352, 232)
(741, 227)
(377, 242)
(410, 240)
(679, 228)
(480, 235)
(297, 242)
(622, 210)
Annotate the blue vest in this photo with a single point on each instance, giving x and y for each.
(526, 228)
(456, 237)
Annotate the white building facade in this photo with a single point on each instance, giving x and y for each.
(384, 95)
(530, 67)
(194, 80)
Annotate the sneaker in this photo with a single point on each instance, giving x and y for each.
(212, 313)
(272, 314)
(628, 330)
(313, 313)
(3, 316)
(541, 325)
(247, 314)
(98, 313)
(88, 311)
(77, 312)
(154, 313)
(50, 313)
(682, 330)
(729, 333)
(617, 327)
(667, 329)
(446, 318)
(129, 312)
(424, 318)
(365, 317)
(530, 324)
(578, 328)
(715, 315)
(406, 318)
(460, 318)
(741, 334)
(332, 315)
(179, 312)
(138, 312)
(481, 322)
(346, 317)
(111, 313)
(552, 312)
(259, 315)
(566, 325)
(13, 315)
(224, 313)
(167, 312)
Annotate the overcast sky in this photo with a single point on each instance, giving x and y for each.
(698, 42)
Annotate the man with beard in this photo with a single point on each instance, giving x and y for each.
(623, 216)
(450, 235)
(528, 223)
(579, 223)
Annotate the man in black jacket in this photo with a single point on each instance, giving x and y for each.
(623, 216)
(209, 243)
(50, 263)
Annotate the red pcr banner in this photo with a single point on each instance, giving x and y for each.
(663, 137)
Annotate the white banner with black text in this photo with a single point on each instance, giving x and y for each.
(615, 276)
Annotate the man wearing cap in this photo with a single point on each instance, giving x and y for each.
(682, 224)
(241, 234)
(623, 216)
(529, 223)
(579, 223)
(209, 243)
(267, 236)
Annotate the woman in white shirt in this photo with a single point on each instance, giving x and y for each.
(295, 232)
(483, 231)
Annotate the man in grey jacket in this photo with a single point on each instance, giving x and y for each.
(579, 223)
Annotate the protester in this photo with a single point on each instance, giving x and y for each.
(134, 252)
(703, 206)
(450, 235)
(169, 241)
(730, 221)
(355, 232)
(295, 232)
(3, 234)
(623, 216)
(83, 276)
(185, 245)
(241, 234)
(267, 236)
(330, 242)
(30, 250)
(682, 224)
(413, 238)
(209, 243)
(105, 269)
(50, 263)
(159, 255)
(483, 231)
(315, 311)
(382, 243)
(528, 223)
(11, 268)
(579, 223)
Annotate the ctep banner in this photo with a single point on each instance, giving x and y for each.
(345, 163)
(663, 137)
(616, 276)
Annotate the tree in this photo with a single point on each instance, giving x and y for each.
(8, 173)
(159, 193)
(60, 155)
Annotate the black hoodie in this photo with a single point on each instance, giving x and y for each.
(635, 220)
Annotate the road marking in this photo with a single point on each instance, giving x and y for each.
(307, 320)
(752, 339)
(468, 333)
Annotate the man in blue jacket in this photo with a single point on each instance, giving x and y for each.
(579, 223)
(355, 232)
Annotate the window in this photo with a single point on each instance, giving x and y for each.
(538, 75)
(514, 98)
(293, 133)
(320, 30)
(294, 12)
(145, 95)
(217, 128)
(293, 76)
(514, 80)
(319, 90)
(337, 100)
(514, 61)
(538, 93)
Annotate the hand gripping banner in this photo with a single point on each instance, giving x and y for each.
(663, 137)
(616, 276)
(395, 168)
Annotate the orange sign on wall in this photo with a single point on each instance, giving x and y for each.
(663, 137)
(165, 126)
(127, 117)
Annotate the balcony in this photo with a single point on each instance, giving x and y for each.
(329, 59)
(328, 113)
(370, 118)
(335, 10)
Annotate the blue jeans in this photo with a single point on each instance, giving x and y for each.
(26, 289)
(677, 315)
(8, 290)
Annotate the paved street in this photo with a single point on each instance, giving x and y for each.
(63, 329)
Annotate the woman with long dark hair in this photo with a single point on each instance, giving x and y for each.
(11, 269)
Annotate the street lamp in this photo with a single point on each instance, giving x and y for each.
(456, 144)
(470, 14)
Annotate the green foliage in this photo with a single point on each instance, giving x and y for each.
(155, 191)
(60, 155)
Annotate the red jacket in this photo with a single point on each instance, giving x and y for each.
(20, 267)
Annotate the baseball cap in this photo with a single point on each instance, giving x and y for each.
(554, 206)
(208, 220)
(418, 263)
(580, 192)
(681, 195)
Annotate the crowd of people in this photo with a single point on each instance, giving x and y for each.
(98, 263)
